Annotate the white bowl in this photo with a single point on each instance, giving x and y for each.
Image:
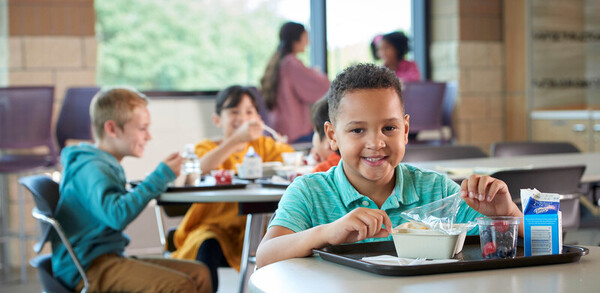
(417, 243)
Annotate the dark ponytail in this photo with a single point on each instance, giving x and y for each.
(289, 33)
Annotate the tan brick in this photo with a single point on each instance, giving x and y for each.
(55, 52)
(445, 74)
(445, 28)
(444, 7)
(516, 117)
(444, 53)
(495, 106)
(478, 53)
(477, 28)
(478, 7)
(483, 80)
(487, 131)
(471, 108)
(90, 51)
(463, 131)
(15, 53)
(30, 77)
(70, 78)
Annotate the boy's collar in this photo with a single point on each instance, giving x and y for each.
(404, 194)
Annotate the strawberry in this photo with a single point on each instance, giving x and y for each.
(488, 249)
(501, 226)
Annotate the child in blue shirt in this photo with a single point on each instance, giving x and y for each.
(95, 207)
(362, 197)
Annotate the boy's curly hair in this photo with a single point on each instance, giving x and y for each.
(358, 77)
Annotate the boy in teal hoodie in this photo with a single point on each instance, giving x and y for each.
(95, 207)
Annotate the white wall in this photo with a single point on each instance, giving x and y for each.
(175, 122)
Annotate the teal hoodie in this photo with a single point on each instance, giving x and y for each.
(95, 207)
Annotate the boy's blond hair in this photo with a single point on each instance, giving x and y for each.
(116, 104)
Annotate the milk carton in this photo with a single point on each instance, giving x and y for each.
(542, 222)
(251, 167)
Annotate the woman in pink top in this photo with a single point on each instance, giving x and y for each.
(289, 88)
(391, 49)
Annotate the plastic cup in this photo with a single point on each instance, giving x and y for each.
(498, 236)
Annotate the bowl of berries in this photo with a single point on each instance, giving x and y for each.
(498, 236)
(223, 177)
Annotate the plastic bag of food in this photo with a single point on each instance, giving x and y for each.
(438, 216)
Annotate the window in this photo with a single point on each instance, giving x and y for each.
(189, 44)
(352, 25)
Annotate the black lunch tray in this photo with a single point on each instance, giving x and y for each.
(469, 259)
(198, 187)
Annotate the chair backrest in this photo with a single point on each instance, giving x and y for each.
(26, 118)
(46, 194)
(417, 153)
(564, 180)
(74, 120)
(448, 107)
(510, 149)
(423, 101)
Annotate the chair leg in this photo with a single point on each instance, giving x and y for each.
(255, 230)
(160, 224)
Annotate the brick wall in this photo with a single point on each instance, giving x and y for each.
(52, 43)
(467, 47)
(47, 43)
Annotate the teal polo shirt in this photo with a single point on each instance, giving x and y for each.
(321, 198)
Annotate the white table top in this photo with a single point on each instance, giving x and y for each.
(312, 274)
(252, 193)
(591, 160)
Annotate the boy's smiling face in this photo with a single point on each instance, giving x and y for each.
(371, 132)
(134, 136)
(232, 118)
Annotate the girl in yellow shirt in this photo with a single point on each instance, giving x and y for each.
(213, 233)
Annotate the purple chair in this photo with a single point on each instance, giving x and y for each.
(423, 101)
(25, 122)
(74, 119)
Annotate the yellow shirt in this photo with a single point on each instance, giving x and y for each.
(220, 220)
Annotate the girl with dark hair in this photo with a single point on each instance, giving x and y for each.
(392, 49)
(213, 233)
(289, 88)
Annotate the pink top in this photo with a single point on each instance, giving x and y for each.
(299, 87)
(408, 71)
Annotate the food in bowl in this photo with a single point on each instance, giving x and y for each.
(421, 242)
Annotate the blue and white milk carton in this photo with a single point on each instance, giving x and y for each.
(251, 167)
(542, 222)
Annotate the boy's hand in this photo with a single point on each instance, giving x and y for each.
(249, 131)
(174, 162)
(359, 224)
(488, 196)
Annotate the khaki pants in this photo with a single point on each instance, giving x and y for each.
(113, 273)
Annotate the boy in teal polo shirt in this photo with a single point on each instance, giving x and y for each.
(361, 198)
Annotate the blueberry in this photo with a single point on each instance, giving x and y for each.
(486, 236)
(509, 234)
(498, 235)
(502, 251)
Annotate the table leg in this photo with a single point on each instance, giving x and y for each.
(255, 230)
